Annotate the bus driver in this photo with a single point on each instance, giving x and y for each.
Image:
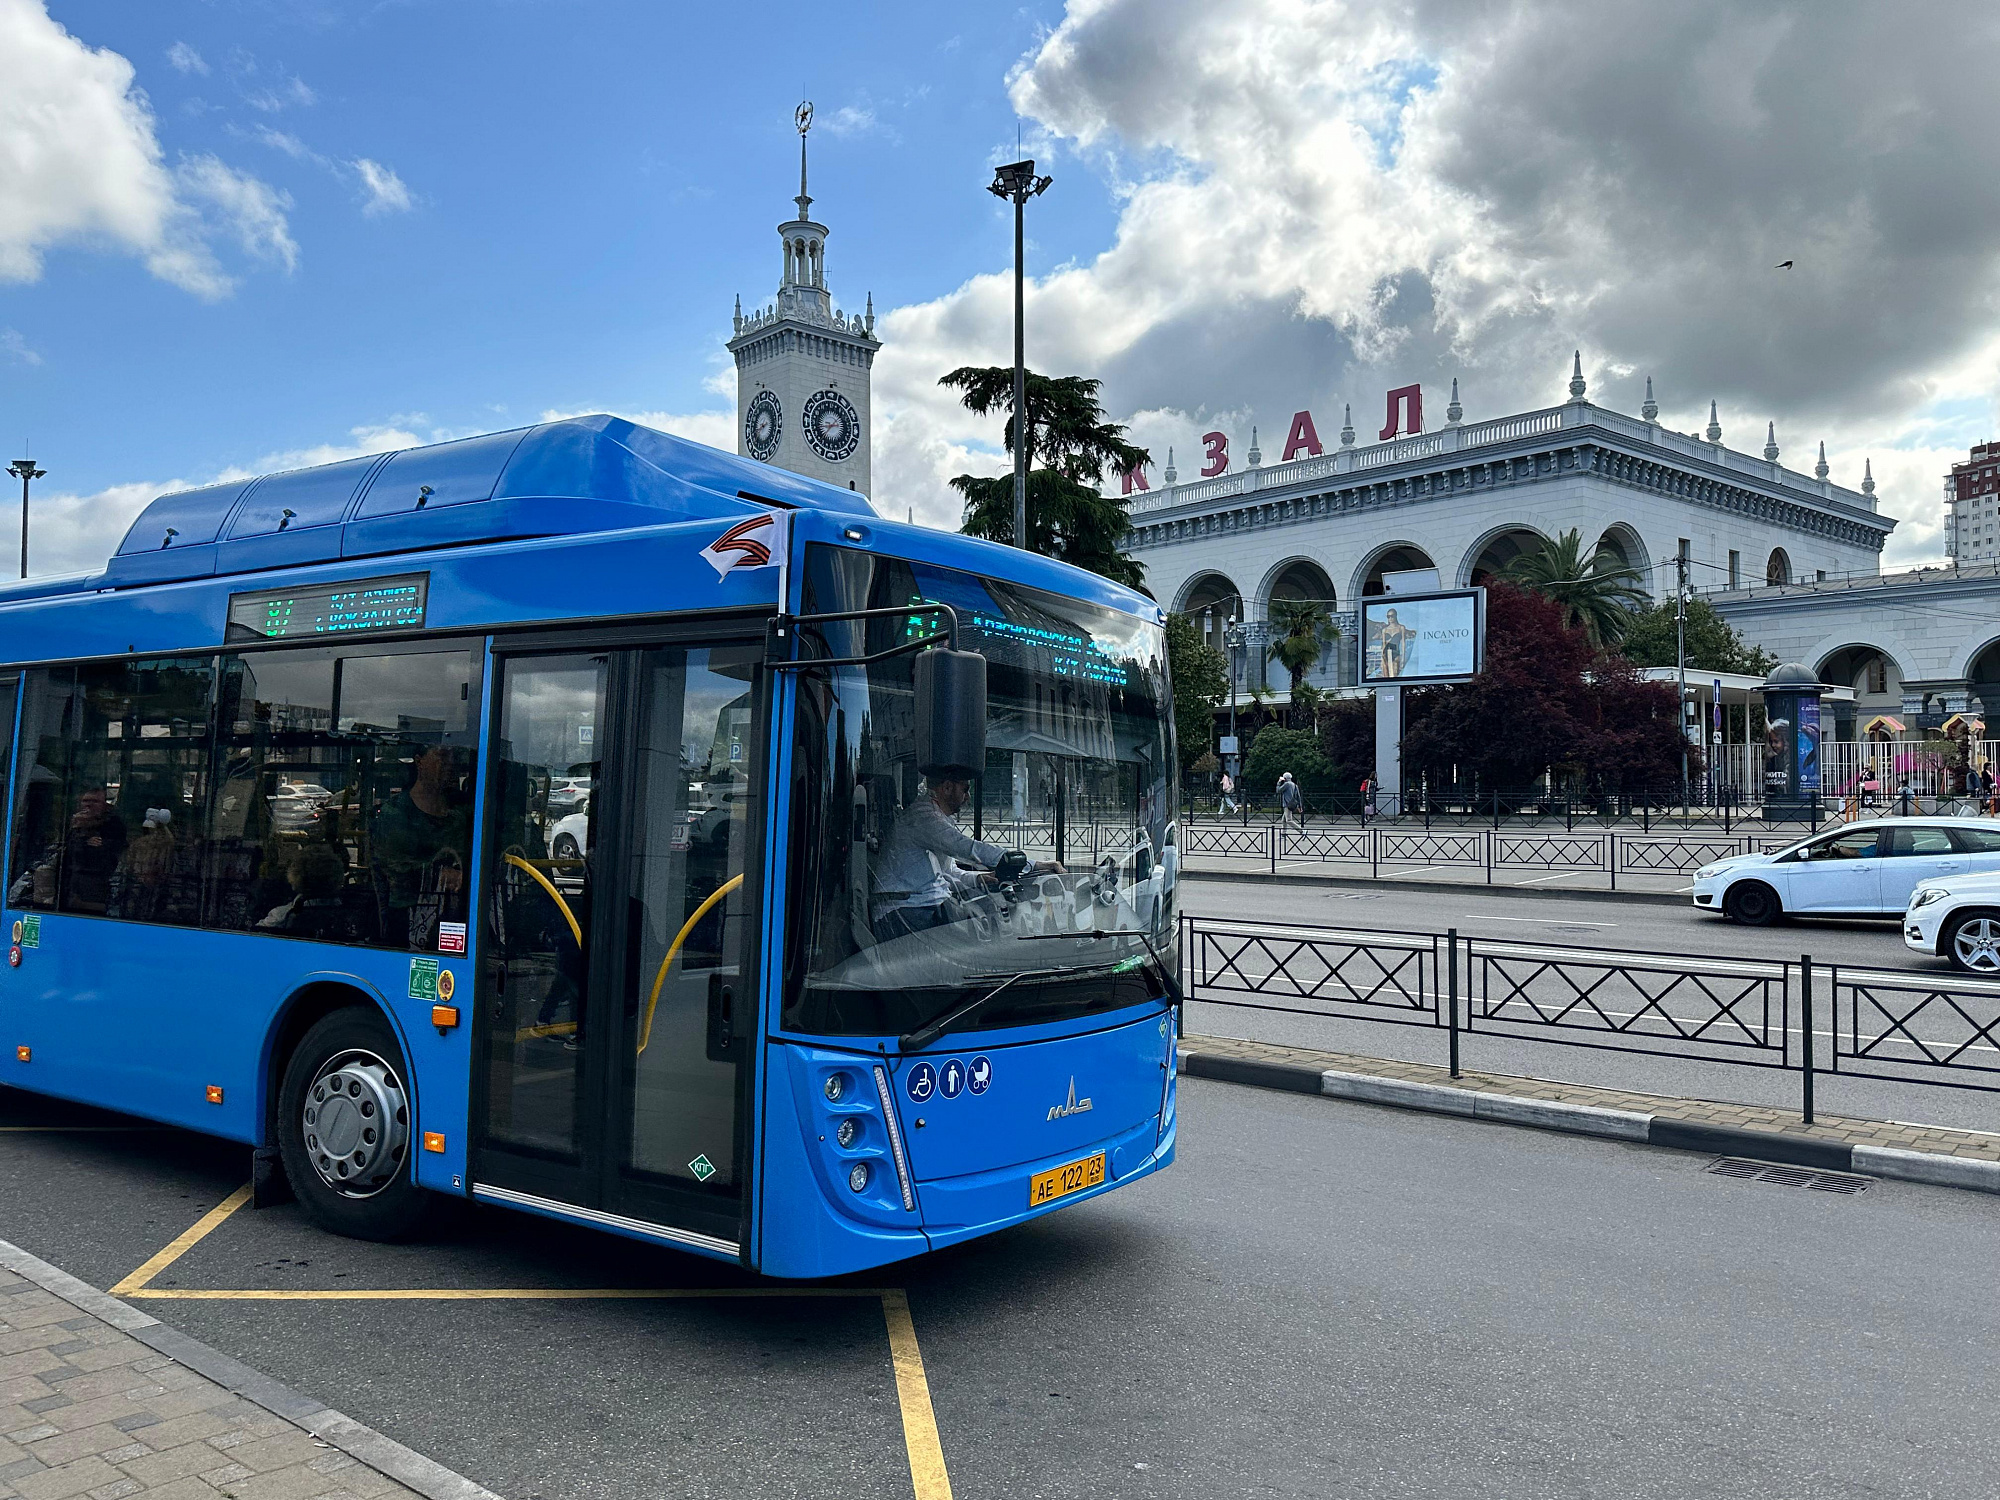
(917, 880)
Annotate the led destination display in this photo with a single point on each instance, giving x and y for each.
(362, 606)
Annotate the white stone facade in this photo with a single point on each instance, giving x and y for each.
(811, 359)
(1465, 498)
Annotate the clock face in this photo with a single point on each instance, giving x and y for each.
(763, 425)
(832, 427)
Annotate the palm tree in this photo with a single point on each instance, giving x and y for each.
(1600, 593)
(1308, 629)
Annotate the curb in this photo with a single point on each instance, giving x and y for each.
(1446, 887)
(383, 1454)
(1927, 1167)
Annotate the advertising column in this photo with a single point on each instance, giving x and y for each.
(1407, 640)
(1791, 743)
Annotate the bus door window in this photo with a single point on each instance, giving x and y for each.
(112, 824)
(690, 997)
(538, 913)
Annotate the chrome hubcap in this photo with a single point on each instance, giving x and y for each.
(1977, 944)
(356, 1124)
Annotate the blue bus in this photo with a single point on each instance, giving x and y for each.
(582, 820)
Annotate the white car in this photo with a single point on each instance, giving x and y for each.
(1865, 869)
(569, 837)
(1959, 920)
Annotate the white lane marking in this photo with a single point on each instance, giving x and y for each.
(1474, 916)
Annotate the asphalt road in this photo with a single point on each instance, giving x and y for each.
(1621, 926)
(1318, 1299)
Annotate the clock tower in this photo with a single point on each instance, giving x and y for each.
(802, 365)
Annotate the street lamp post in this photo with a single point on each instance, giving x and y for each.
(24, 470)
(1017, 180)
(1233, 639)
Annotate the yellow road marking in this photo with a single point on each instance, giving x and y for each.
(920, 1435)
(184, 1243)
(928, 1478)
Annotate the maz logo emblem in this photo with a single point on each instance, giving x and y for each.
(1070, 1106)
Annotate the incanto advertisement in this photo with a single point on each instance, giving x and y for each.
(1411, 638)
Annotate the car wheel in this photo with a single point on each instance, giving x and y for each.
(1972, 942)
(1752, 903)
(346, 1126)
(565, 847)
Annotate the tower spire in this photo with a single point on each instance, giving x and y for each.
(1650, 409)
(1576, 385)
(803, 118)
(1714, 432)
(1454, 414)
(1820, 468)
(1867, 476)
(1771, 442)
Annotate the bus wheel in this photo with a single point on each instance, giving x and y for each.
(344, 1129)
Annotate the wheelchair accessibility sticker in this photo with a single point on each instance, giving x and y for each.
(922, 1082)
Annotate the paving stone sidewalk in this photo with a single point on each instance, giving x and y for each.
(88, 1410)
(1894, 1135)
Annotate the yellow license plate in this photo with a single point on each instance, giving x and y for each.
(1060, 1182)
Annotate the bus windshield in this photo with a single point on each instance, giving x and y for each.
(919, 889)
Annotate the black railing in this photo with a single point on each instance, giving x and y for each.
(1610, 854)
(1759, 1013)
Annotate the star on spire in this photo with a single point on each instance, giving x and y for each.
(803, 118)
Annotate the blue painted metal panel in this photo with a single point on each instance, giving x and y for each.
(174, 537)
(285, 520)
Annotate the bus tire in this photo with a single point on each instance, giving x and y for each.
(1752, 903)
(346, 1129)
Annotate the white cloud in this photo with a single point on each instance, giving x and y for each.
(386, 191)
(15, 346)
(1321, 199)
(81, 163)
(186, 60)
(286, 94)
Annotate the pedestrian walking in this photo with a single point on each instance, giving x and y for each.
(1228, 804)
(1368, 796)
(1290, 802)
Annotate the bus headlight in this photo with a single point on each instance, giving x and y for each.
(848, 1133)
(857, 1177)
(836, 1087)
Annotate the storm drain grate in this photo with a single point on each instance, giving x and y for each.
(1805, 1177)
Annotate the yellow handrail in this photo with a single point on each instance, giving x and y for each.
(646, 1027)
(555, 895)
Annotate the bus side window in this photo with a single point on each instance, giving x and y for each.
(110, 818)
(343, 796)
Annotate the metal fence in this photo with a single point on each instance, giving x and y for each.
(1881, 1024)
(1611, 854)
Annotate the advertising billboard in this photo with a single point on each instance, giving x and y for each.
(1418, 638)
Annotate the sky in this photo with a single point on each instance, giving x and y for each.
(242, 235)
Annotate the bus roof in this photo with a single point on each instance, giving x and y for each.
(566, 478)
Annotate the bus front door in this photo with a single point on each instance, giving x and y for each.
(617, 951)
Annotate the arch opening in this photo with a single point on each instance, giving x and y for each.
(1212, 601)
(1777, 568)
(1401, 558)
(1500, 550)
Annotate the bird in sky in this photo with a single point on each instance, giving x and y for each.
(1783, 265)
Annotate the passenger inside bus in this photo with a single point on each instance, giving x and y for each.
(91, 852)
(918, 880)
(418, 840)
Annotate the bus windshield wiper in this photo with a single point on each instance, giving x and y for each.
(924, 1035)
(1173, 985)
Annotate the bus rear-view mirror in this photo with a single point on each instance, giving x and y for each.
(951, 710)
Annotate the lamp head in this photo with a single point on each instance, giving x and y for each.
(1016, 180)
(24, 468)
